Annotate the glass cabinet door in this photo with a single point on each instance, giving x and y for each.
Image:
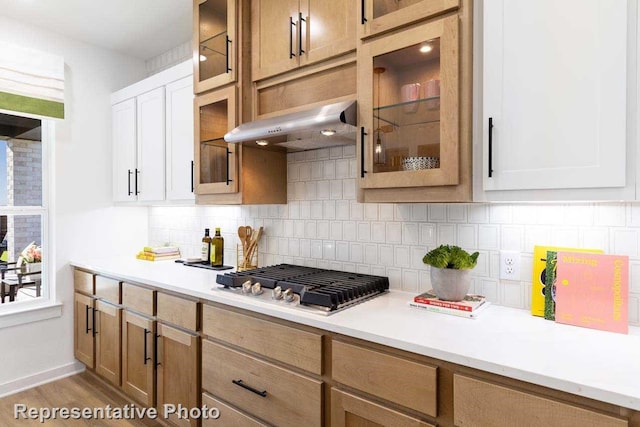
(409, 108)
(379, 16)
(215, 49)
(215, 160)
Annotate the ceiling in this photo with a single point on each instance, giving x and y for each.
(139, 28)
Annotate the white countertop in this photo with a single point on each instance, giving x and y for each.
(600, 365)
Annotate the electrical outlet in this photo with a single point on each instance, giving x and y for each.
(509, 265)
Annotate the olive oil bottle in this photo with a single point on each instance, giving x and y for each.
(217, 249)
(206, 247)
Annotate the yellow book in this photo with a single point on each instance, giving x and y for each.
(538, 287)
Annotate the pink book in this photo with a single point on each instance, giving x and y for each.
(592, 290)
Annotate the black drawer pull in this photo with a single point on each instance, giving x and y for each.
(490, 147)
(262, 393)
(146, 358)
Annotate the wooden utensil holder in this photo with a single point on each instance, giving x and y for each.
(240, 258)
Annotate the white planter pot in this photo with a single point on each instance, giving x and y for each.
(34, 267)
(449, 284)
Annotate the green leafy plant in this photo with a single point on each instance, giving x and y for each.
(454, 257)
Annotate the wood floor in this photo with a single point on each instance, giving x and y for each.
(81, 391)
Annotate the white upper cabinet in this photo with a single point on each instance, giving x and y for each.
(558, 95)
(179, 137)
(151, 129)
(123, 119)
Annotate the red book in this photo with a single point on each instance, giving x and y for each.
(470, 302)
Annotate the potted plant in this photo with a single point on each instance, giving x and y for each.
(450, 271)
(32, 258)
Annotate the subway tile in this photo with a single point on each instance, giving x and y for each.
(478, 213)
(283, 246)
(378, 270)
(298, 228)
(287, 230)
(385, 254)
(410, 233)
(363, 269)
(419, 212)
(349, 231)
(395, 278)
(494, 264)
(634, 277)
(329, 167)
(342, 251)
(349, 189)
(293, 172)
(482, 266)
(512, 294)
(335, 152)
(329, 209)
(324, 190)
(364, 231)
(305, 248)
(342, 209)
(335, 230)
(317, 170)
(569, 237)
(305, 171)
(417, 253)
(272, 244)
(394, 232)
(353, 168)
(489, 288)
(310, 263)
(311, 190)
(512, 237)
(356, 210)
(403, 212)
(595, 238)
(578, 214)
(410, 281)
(610, 215)
(633, 215)
(322, 229)
(536, 235)
(625, 242)
(294, 247)
(356, 252)
(456, 213)
(634, 310)
(349, 151)
(316, 248)
(321, 263)
(500, 214)
(336, 189)
(298, 157)
(488, 237)
(349, 267)
(310, 155)
(549, 214)
(424, 281)
(378, 232)
(300, 190)
(322, 154)
(427, 234)
(437, 212)
(328, 249)
(371, 211)
(401, 255)
(467, 236)
(446, 234)
(371, 254)
(316, 209)
(386, 211)
(342, 168)
(526, 267)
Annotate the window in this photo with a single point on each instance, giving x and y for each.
(24, 216)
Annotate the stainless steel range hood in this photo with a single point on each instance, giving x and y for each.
(327, 126)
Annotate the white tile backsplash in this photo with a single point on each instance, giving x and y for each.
(324, 226)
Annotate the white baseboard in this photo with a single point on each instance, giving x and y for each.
(43, 377)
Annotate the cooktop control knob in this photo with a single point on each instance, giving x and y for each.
(246, 287)
(256, 289)
(276, 293)
(288, 294)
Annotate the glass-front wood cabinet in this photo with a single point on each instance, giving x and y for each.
(215, 160)
(215, 43)
(409, 107)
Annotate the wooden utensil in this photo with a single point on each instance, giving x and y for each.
(253, 245)
(242, 234)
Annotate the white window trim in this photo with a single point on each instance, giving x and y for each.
(46, 307)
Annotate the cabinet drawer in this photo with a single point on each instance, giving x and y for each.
(479, 403)
(292, 346)
(391, 378)
(179, 311)
(83, 282)
(138, 299)
(287, 398)
(228, 415)
(108, 289)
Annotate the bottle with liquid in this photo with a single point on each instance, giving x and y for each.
(205, 255)
(217, 249)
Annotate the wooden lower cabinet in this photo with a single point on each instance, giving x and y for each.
(178, 372)
(107, 339)
(348, 410)
(479, 403)
(228, 416)
(138, 361)
(83, 342)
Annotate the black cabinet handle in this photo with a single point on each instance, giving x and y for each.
(291, 25)
(128, 182)
(363, 19)
(300, 21)
(93, 321)
(262, 393)
(146, 358)
(490, 146)
(86, 319)
(362, 135)
(228, 180)
(136, 182)
(227, 53)
(192, 173)
(155, 349)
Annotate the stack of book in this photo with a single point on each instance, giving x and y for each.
(471, 306)
(159, 254)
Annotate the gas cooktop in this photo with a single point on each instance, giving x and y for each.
(324, 290)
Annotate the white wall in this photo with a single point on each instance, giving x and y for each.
(85, 220)
(323, 226)
(168, 59)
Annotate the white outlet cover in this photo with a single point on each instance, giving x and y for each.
(510, 265)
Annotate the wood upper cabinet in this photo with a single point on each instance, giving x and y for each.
(178, 371)
(409, 94)
(348, 410)
(107, 338)
(83, 342)
(138, 361)
(287, 34)
(215, 43)
(379, 16)
(556, 117)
